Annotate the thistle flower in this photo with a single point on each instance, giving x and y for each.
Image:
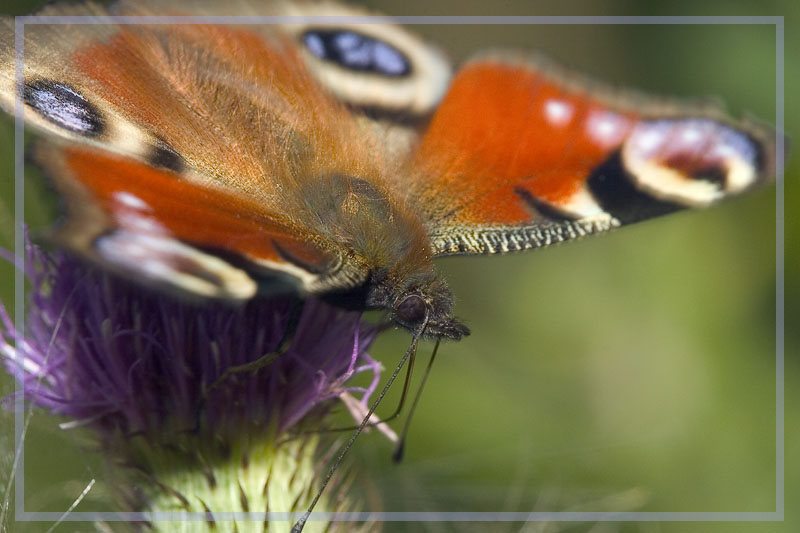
(146, 374)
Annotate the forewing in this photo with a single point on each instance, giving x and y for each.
(186, 145)
(521, 154)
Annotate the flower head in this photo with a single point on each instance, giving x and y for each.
(164, 381)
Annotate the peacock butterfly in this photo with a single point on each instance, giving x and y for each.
(339, 159)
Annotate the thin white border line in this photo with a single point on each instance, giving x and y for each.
(401, 19)
(555, 516)
(412, 516)
(780, 472)
(19, 272)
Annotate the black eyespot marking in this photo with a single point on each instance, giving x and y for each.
(411, 310)
(614, 190)
(715, 175)
(297, 261)
(358, 52)
(547, 212)
(164, 156)
(64, 106)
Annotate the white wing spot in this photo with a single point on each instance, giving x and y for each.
(127, 199)
(648, 141)
(558, 112)
(606, 128)
(691, 134)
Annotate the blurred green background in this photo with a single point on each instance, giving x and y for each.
(631, 371)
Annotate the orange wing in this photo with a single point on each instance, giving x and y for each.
(217, 144)
(153, 223)
(519, 156)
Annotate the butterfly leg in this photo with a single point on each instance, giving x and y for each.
(295, 310)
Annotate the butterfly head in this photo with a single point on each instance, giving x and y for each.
(428, 308)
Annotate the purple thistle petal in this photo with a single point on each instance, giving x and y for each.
(124, 360)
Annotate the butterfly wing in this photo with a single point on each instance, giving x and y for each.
(521, 154)
(518, 154)
(215, 140)
(136, 218)
(188, 154)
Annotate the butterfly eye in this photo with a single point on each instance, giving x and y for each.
(411, 310)
(64, 106)
(354, 51)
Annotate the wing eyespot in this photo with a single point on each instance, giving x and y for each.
(691, 161)
(381, 69)
(64, 106)
(357, 52)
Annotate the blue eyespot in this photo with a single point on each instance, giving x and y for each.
(357, 52)
(63, 106)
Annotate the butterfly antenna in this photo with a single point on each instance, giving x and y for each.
(397, 455)
(300, 524)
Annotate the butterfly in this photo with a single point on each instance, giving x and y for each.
(338, 159)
